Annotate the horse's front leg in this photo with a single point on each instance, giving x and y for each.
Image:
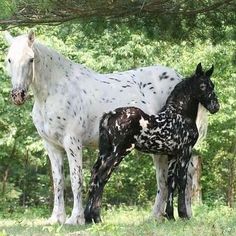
(73, 149)
(161, 164)
(184, 185)
(56, 158)
(171, 183)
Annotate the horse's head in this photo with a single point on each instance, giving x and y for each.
(203, 89)
(20, 63)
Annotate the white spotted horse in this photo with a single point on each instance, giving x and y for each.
(172, 132)
(69, 100)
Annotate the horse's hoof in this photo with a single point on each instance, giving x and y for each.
(75, 220)
(56, 219)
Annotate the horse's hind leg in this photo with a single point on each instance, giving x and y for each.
(161, 164)
(56, 159)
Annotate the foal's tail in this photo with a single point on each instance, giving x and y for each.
(104, 138)
(202, 123)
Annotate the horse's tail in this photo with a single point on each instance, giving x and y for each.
(202, 123)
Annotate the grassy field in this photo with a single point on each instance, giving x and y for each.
(126, 221)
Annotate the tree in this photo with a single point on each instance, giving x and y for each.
(168, 14)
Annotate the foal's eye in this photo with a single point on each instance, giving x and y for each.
(9, 60)
(203, 87)
(31, 60)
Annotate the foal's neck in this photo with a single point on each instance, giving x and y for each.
(182, 101)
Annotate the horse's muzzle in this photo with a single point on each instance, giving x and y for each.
(18, 96)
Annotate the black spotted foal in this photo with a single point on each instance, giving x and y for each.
(172, 132)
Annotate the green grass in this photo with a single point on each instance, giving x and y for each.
(127, 221)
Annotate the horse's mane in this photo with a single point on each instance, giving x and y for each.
(42, 48)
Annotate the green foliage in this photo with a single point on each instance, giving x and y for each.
(7, 8)
(107, 47)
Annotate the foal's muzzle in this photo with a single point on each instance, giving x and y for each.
(18, 96)
(214, 107)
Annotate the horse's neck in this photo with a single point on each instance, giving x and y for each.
(47, 66)
(182, 102)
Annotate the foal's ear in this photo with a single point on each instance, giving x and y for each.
(8, 37)
(210, 71)
(31, 37)
(199, 70)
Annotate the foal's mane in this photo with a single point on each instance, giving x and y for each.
(181, 89)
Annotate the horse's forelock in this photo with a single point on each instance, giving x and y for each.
(20, 47)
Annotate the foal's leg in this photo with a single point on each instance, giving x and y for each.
(184, 184)
(161, 164)
(109, 158)
(73, 149)
(100, 175)
(171, 182)
(56, 158)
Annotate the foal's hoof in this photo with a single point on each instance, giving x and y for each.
(92, 216)
(170, 217)
(183, 214)
(184, 217)
(90, 220)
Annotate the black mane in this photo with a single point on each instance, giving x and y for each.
(182, 100)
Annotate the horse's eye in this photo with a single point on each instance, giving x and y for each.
(203, 87)
(9, 60)
(31, 60)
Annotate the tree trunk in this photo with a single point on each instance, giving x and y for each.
(6, 172)
(26, 164)
(196, 186)
(4, 180)
(230, 192)
(231, 177)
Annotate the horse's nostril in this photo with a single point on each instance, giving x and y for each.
(13, 92)
(23, 94)
(18, 96)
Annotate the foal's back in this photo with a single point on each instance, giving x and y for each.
(164, 133)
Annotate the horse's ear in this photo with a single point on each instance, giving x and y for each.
(199, 70)
(31, 37)
(210, 71)
(8, 37)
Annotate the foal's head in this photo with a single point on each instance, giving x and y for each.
(203, 89)
(20, 60)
